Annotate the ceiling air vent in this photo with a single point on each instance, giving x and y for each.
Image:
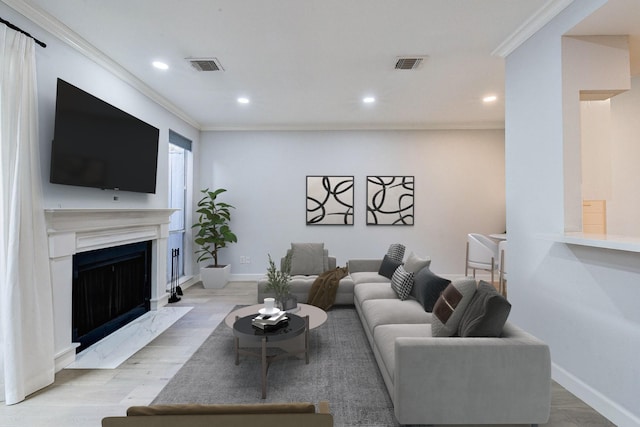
(409, 63)
(206, 64)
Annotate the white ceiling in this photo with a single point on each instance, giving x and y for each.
(308, 64)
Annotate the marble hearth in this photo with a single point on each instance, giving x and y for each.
(71, 231)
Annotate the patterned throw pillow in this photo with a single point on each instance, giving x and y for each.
(396, 252)
(450, 307)
(401, 283)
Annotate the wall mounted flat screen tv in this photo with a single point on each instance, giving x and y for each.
(98, 145)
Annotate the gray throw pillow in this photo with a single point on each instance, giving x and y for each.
(396, 252)
(307, 258)
(414, 264)
(388, 267)
(486, 314)
(325, 260)
(427, 288)
(401, 282)
(450, 307)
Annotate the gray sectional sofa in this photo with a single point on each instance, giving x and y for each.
(435, 380)
(303, 277)
(442, 380)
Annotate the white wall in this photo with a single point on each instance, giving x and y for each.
(582, 301)
(60, 60)
(624, 207)
(610, 154)
(459, 188)
(583, 73)
(595, 121)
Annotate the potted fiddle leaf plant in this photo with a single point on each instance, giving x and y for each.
(212, 235)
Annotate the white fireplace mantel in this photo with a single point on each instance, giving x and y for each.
(71, 231)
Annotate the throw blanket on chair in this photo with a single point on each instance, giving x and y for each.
(323, 291)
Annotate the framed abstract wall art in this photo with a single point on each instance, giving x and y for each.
(390, 200)
(329, 200)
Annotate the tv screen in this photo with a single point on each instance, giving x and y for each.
(98, 145)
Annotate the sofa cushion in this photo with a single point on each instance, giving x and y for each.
(414, 263)
(367, 291)
(377, 312)
(388, 266)
(396, 252)
(368, 277)
(486, 314)
(402, 282)
(307, 258)
(451, 305)
(427, 287)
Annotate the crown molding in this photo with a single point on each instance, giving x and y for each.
(499, 125)
(52, 25)
(542, 17)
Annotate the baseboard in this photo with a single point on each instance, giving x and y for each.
(601, 403)
(65, 357)
(187, 281)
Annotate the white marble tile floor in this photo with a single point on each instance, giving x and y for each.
(111, 351)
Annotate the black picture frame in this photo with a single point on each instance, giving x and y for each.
(329, 200)
(390, 200)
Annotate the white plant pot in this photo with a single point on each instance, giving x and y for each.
(215, 277)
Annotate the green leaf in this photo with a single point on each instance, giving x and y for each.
(213, 232)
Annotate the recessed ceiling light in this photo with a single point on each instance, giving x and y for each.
(368, 100)
(160, 65)
(490, 98)
(243, 100)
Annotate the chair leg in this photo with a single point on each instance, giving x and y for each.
(466, 262)
(493, 268)
(501, 284)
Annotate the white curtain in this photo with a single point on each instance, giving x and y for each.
(26, 308)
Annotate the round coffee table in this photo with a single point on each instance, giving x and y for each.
(295, 326)
(317, 316)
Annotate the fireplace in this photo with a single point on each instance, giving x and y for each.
(111, 287)
(74, 232)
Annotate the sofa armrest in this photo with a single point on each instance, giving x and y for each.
(472, 380)
(363, 264)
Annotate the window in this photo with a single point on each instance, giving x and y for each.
(179, 147)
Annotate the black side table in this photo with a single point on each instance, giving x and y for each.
(242, 327)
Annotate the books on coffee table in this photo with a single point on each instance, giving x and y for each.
(263, 321)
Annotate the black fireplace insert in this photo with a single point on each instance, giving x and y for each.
(111, 287)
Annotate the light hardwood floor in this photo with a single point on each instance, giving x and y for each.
(84, 397)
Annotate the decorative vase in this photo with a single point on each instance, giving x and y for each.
(286, 301)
